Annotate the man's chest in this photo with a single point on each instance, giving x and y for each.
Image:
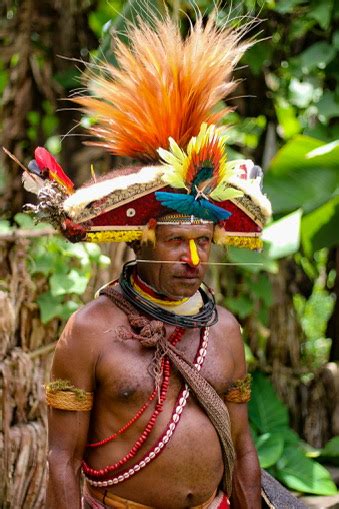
(124, 371)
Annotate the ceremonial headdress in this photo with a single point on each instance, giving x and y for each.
(160, 105)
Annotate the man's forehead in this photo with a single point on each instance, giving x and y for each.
(187, 230)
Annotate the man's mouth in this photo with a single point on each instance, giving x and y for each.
(189, 273)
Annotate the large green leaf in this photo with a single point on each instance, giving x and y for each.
(303, 174)
(297, 153)
(321, 12)
(302, 474)
(317, 56)
(320, 228)
(269, 448)
(330, 453)
(325, 155)
(305, 188)
(266, 412)
(252, 261)
(332, 447)
(283, 235)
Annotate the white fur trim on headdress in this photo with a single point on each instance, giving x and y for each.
(86, 195)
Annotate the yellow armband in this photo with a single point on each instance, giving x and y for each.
(62, 395)
(239, 391)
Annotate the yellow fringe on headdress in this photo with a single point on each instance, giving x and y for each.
(114, 236)
(222, 238)
(164, 86)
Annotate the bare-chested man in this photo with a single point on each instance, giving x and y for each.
(140, 374)
(92, 358)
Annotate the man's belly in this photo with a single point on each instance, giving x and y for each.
(187, 471)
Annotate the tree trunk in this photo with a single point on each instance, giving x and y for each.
(38, 40)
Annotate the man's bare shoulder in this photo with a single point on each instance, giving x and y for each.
(228, 323)
(83, 337)
(230, 340)
(95, 316)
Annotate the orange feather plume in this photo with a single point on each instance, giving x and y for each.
(163, 86)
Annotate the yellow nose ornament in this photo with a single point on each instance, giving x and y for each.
(194, 252)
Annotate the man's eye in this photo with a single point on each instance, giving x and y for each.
(203, 240)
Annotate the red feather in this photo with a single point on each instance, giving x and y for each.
(45, 160)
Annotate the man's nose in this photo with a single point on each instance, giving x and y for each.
(191, 257)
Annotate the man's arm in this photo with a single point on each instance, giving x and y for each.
(246, 489)
(74, 361)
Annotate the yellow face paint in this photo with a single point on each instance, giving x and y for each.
(194, 252)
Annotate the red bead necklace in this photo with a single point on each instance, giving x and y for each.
(166, 369)
(104, 480)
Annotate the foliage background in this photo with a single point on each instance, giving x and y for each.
(285, 116)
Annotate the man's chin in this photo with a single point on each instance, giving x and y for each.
(186, 288)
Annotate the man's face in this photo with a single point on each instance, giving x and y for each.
(175, 243)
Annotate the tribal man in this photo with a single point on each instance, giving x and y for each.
(149, 385)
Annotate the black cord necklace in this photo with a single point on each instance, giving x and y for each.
(206, 317)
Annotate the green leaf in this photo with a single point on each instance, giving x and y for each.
(49, 124)
(326, 155)
(53, 144)
(269, 448)
(336, 39)
(24, 220)
(242, 306)
(285, 6)
(43, 263)
(252, 261)
(4, 78)
(261, 287)
(266, 412)
(328, 105)
(303, 474)
(258, 56)
(321, 12)
(73, 282)
(283, 235)
(320, 228)
(33, 118)
(78, 251)
(97, 20)
(317, 56)
(69, 78)
(330, 453)
(332, 447)
(293, 155)
(296, 180)
(5, 226)
(50, 307)
(289, 125)
(68, 308)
